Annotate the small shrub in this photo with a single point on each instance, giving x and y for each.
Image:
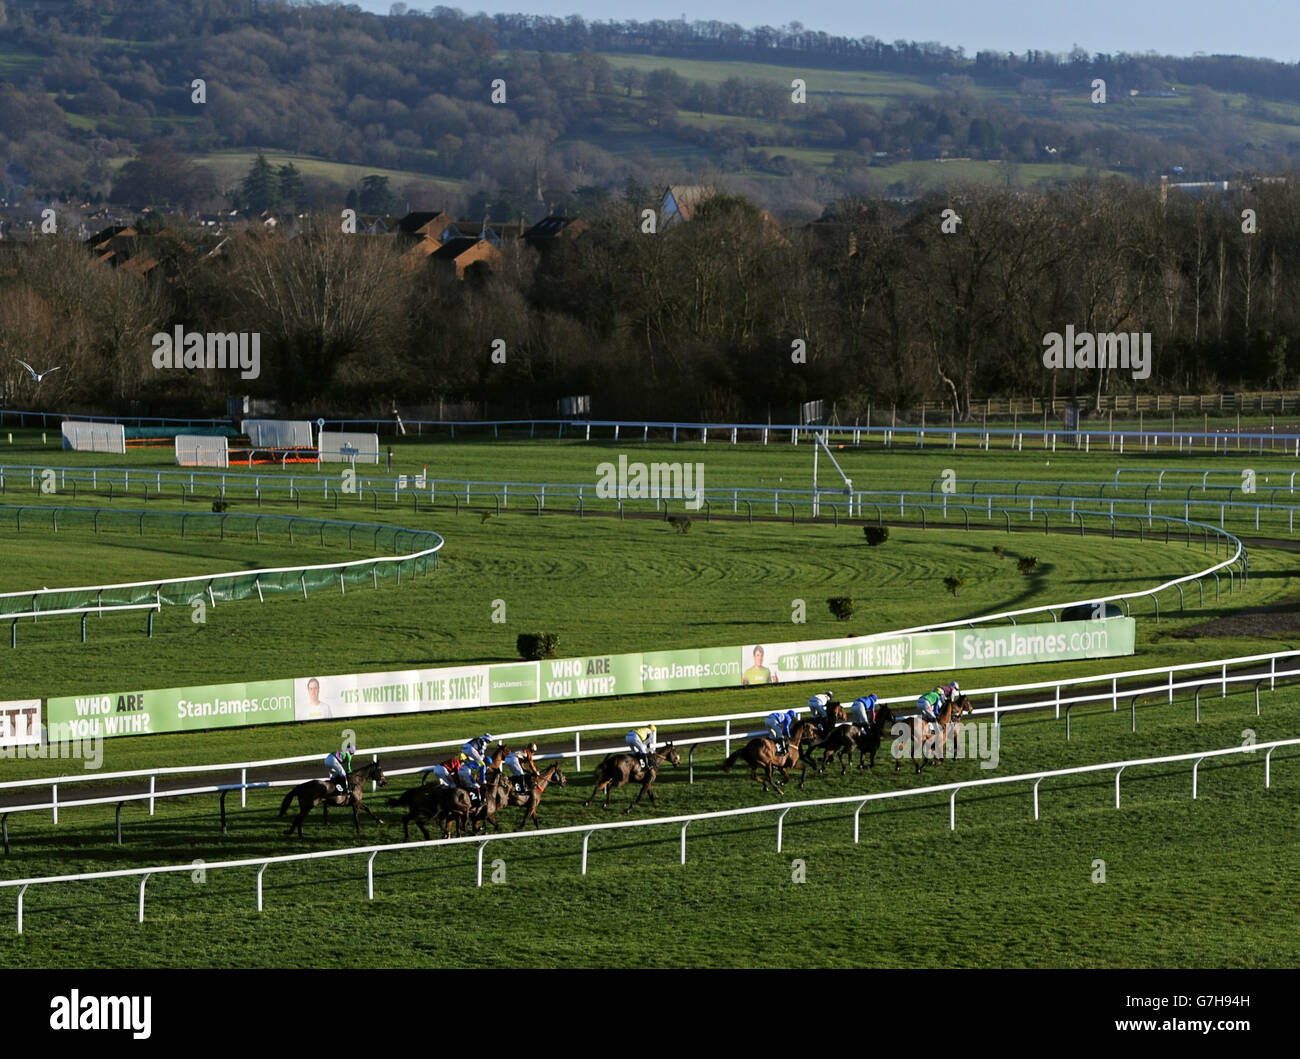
(680, 523)
(220, 505)
(953, 583)
(1026, 564)
(535, 645)
(875, 534)
(1000, 551)
(486, 515)
(842, 607)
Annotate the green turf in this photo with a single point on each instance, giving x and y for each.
(1024, 895)
(1186, 883)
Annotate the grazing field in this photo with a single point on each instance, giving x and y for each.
(1023, 893)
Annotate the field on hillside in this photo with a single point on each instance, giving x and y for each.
(1026, 891)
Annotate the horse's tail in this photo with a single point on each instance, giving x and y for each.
(726, 765)
(288, 799)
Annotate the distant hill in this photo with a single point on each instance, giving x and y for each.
(793, 120)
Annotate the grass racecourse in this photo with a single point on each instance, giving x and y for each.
(1164, 881)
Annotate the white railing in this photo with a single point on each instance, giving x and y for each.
(587, 830)
(1055, 702)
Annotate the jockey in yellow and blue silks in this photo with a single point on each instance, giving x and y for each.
(339, 764)
(472, 776)
(863, 712)
(476, 748)
(643, 742)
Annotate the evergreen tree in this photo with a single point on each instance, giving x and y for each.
(261, 188)
(291, 185)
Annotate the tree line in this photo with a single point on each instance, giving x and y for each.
(724, 317)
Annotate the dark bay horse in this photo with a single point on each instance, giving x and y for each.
(846, 738)
(928, 741)
(761, 753)
(619, 769)
(313, 792)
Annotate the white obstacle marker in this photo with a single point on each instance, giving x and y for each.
(278, 433)
(335, 446)
(94, 437)
(201, 450)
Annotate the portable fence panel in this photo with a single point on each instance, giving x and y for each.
(338, 447)
(94, 437)
(195, 450)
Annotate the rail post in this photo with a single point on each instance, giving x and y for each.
(370, 875)
(259, 884)
(780, 826)
(585, 836)
(143, 879)
(684, 826)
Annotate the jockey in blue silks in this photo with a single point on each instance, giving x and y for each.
(778, 727)
(863, 712)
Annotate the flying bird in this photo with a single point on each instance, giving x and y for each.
(37, 375)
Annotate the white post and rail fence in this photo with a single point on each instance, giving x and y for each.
(684, 821)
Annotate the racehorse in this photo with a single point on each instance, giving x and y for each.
(422, 804)
(846, 738)
(761, 752)
(869, 736)
(619, 769)
(534, 788)
(313, 792)
(919, 729)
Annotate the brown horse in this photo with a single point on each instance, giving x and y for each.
(619, 769)
(534, 788)
(923, 736)
(761, 752)
(314, 792)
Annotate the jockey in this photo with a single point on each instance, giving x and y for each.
(778, 727)
(931, 702)
(521, 761)
(520, 764)
(471, 777)
(476, 748)
(445, 774)
(339, 764)
(820, 705)
(642, 741)
(863, 713)
(950, 692)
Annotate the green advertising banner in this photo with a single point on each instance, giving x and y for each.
(592, 676)
(170, 709)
